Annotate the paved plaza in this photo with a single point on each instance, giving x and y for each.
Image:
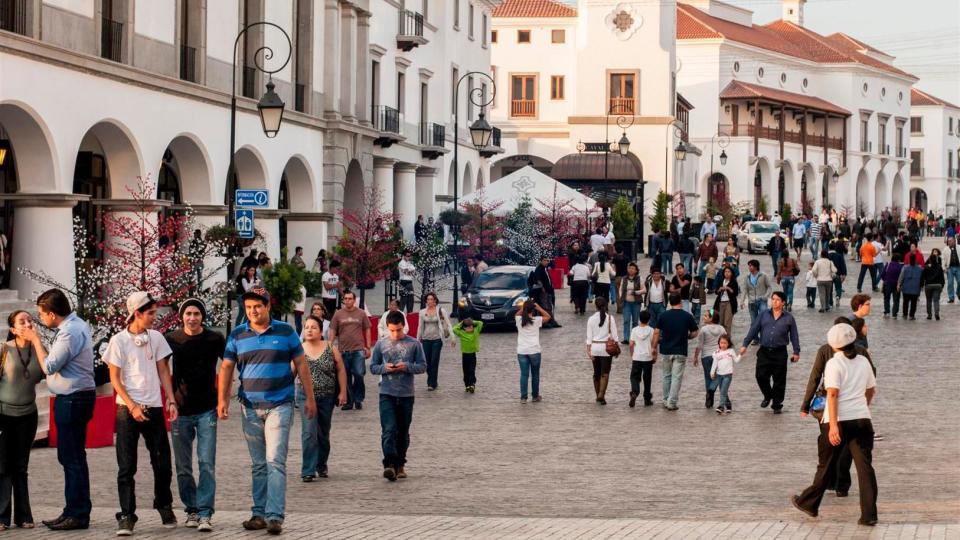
(484, 466)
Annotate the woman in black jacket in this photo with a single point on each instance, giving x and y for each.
(726, 289)
(932, 281)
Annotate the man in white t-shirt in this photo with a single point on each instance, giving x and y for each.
(138, 358)
(407, 271)
(597, 240)
(642, 368)
(608, 239)
(330, 280)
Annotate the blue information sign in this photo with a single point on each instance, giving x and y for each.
(255, 198)
(243, 221)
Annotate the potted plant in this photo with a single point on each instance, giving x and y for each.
(624, 225)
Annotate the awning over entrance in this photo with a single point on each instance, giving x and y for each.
(742, 90)
(599, 167)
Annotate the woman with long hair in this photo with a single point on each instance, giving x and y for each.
(20, 373)
(725, 305)
(910, 284)
(933, 280)
(603, 274)
(600, 328)
(433, 329)
(529, 321)
(329, 378)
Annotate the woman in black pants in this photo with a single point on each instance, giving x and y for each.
(579, 284)
(20, 373)
(600, 328)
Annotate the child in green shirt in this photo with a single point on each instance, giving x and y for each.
(469, 333)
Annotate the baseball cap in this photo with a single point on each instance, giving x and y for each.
(136, 302)
(841, 335)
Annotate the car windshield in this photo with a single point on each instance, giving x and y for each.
(499, 280)
(763, 228)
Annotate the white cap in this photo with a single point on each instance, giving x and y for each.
(136, 301)
(841, 335)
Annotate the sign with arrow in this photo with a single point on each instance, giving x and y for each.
(253, 198)
(243, 221)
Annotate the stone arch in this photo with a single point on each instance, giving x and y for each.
(918, 199)
(32, 150)
(880, 194)
(466, 183)
(451, 179)
(761, 186)
(785, 188)
(299, 183)
(251, 168)
(808, 189)
(121, 158)
(718, 191)
(896, 200)
(190, 162)
(863, 194)
(353, 187)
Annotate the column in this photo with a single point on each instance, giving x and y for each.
(363, 68)
(331, 58)
(43, 240)
(405, 197)
(383, 181)
(267, 222)
(348, 63)
(309, 230)
(426, 187)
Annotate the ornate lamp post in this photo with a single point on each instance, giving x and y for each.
(270, 108)
(720, 139)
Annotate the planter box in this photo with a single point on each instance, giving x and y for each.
(557, 278)
(562, 262)
(413, 322)
(101, 427)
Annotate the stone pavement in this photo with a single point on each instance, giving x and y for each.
(607, 471)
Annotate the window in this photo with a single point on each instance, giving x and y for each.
(470, 22)
(401, 93)
(456, 14)
(453, 89)
(493, 75)
(426, 9)
(424, 95)
(558, 36)
(916, 165)
(523, 97)
(375, 86)
(469, 103)
(483, 29)
(523, 36)
(493, 36)
(556, 87)
(899, 141)
(949, 163)
(483, 94)
(916, 125)
(623, 88)
(882, 136)
(950, 131)
(864, 135)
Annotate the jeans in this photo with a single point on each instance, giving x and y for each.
(695, 310)
(308, 437)
(775, 258)
(16, 438)
(614, 289)
(73, 412)
(707, 362)
(890, 292)
(686, 259)
(529, 365)
(197, 498)
(864, 268)
(811, 297)
(469, 361)
(756, 307)
(672, 365)
(837, 290)
(723, 383)
(655, 310)
(356, 368)
(857, 435)
(641, 371)
(932, 292)
(953, 279)
(267, 431)
(431, 350)
(320, 428)
(406, 296)
(396, 415)
(631, 318)
(787, 283)
(814, 245)
(666, 263)
(154, 432)
(771, 374)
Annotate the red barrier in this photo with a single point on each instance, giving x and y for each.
(413, 321)
(557, 278)
(101, 427)
(562, 262)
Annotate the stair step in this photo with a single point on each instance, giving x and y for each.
(8, 294)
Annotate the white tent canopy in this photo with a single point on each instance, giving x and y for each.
(530, 182)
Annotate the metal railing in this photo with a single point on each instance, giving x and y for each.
(111, 40)
(411, 24)
(248, 83)
(300, 97)
(620, 105)
(386, 119)
(188, 63)
(866, 146)
(523, 108)
(901, 152)
(432, 134)
(13, 16)
(773, 134)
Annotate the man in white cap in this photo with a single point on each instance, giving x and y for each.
(138, 360)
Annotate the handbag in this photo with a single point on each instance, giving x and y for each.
(819, 402)
(612, 347)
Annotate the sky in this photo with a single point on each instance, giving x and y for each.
(924, 35)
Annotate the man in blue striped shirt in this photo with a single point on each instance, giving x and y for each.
(263, 349)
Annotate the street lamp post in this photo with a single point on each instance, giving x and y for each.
(720, 139)
(270, 108)
(480, 133)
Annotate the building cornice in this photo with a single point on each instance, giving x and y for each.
(638, 120)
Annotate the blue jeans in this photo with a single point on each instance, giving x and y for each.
(775, 259)
(655, 311)
(396, 415)
(614, 288)
(686, 259)
(356, 369)
(756, 307)
(666, 263)
(631, 318)
(864, 268)
(837, 290)
(723, 382)
(672, 365)
(707, 362)
(73, 412)
(529, 364)
(953, 279)
(308, 437)
(695, 311)
(431, 350)
(267, 432)
(814, 245)
(788, 283)
(197, 497)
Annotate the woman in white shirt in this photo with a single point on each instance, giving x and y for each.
(604, 273)
(579, 284)
(528, 346)
(600, 328)
(707, 344)
(850, 385)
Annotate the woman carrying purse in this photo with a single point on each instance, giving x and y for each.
(602, 346)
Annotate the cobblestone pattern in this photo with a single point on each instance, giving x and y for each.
(487, 455)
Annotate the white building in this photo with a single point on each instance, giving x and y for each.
(568, 74)
(935, 153)
(95, 93)
(792, 108)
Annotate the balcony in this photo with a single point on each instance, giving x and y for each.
(866, 146)
(300, 97)
(13, 16)
(387, 120)
(902, 152)
(494, 147)
(433, 139)
(773, 134)
(111, 40)
(621, 105)
(410, 31)
(188, 63)
(523, 108)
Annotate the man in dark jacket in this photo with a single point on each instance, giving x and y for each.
(837, 250)
(541, 277)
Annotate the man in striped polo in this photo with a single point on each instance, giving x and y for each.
(262, 349)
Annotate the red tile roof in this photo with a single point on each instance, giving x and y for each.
(741, 90)
(534, 9)
(840, 36)
(779, 36)
(919, 97)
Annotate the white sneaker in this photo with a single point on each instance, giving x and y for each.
(205, 525)
(192, 521)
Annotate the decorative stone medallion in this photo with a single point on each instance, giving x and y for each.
(624, 21)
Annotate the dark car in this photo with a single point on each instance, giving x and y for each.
(496, 294)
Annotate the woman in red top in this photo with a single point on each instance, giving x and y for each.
(913, 253)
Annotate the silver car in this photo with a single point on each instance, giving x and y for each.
(755, 235)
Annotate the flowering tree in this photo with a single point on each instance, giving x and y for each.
(483, 231)
(429, 256)
(525, 236)
(368, 251)
(560, 220)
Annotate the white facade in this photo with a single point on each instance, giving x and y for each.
(717, 44)
(146, 89)
(935, 150)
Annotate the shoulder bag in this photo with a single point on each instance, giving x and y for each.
(612, 347)
(819, 402)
